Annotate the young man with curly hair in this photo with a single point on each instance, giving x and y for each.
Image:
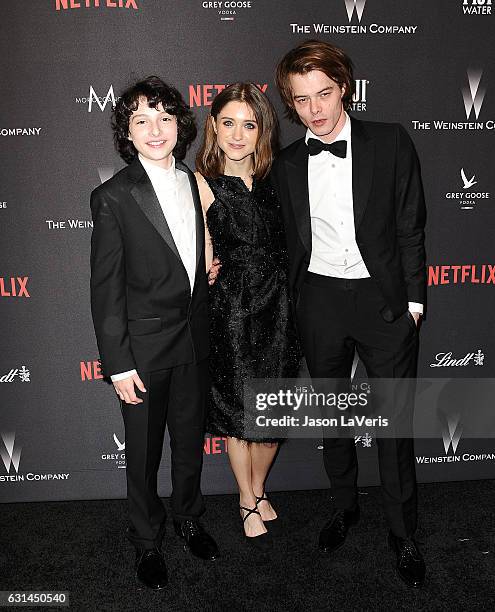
(149, 303)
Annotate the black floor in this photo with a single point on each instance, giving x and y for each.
(79, 547)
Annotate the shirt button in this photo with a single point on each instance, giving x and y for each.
(333, 165)
(347, 250)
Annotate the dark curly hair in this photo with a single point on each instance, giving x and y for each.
(155, 91)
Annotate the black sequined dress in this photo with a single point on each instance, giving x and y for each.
(252, 329)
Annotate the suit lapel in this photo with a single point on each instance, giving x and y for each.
(297, 178)
(200, 228)
(145, 196)
(363, 157)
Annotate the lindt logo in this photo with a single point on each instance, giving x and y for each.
(445, 360)
(22, 374)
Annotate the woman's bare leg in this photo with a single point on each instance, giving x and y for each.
(262, 455)
(240, 460)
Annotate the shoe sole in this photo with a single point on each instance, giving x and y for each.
(327, 551)
(186, 549)
(142, 585)
(402, 579)
(408, 584)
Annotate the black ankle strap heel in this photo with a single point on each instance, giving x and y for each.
(263, 542)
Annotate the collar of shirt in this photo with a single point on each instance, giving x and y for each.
(166, 177)
(345, 133)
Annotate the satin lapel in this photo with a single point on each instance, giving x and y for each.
(297, 178)
(200, 227)
(145, 196)
(363, 159)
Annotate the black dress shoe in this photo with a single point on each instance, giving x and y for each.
(410, 563)
(200, 543)
(334, 533)
(151, 569)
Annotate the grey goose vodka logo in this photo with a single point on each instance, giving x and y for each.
(228, 10)
(116, 456)
(120, 445)
(467, 183)
(472, 193)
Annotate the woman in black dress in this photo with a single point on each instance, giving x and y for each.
(252, 330)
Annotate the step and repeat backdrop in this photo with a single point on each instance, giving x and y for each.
(427, 64)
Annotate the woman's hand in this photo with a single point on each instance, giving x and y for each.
(214, 270)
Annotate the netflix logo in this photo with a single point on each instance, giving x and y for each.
(203, 95)
(468, 273)
(90, 370)
(215, 446)
(14, 286)
(77, 4)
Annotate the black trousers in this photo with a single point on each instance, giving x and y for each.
(336, 317)
(176, 397)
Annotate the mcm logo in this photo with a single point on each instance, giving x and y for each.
(467, 183)
(473, 95)
(10, 452)
(355, 5)
(451, 433)
(120, 445)
(100, 101)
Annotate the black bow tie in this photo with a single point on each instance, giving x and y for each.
(338, 148)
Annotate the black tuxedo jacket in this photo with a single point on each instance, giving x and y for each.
(143, 312)
(389, 211)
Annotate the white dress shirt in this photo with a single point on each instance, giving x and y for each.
(334, 248)
(173, 191)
